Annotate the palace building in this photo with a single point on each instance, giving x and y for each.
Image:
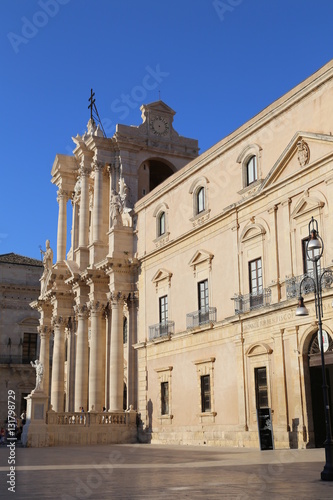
(177, 297)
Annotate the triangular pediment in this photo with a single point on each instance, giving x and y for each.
(200, 257)
(158, 107)
(306, 205)
(160, 275)
(303, 151)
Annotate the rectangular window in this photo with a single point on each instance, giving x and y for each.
(256, 288)
(251, 170)
(205, 393)
(164, 398)
(261, 387)
(307, 263)
(203, 301)
(163, 305)
(29, 349)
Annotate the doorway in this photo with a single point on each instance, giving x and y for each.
(264, 417)
(316, 381)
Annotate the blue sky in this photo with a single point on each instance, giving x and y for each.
(216, 63)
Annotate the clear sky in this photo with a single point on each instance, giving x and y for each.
(216, 63)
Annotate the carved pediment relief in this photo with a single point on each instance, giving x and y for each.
(201, 257)
(305, 149)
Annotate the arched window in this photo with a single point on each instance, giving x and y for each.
(200, 200)
(251, 170)
(161, 224)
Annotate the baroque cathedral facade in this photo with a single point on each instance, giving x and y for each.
(177, 297)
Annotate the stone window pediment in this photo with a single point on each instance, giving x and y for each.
(201, 257)
(160, 276)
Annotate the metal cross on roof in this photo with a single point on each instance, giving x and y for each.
(92, 102)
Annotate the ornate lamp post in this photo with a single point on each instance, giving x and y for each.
(314, 251)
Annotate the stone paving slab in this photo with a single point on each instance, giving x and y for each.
(154, 472)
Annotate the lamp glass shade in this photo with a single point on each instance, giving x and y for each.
(301, 309)
(314, 244)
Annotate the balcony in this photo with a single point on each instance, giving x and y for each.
(252, 301)
(293, 284)
(201, 317)
(161, 330)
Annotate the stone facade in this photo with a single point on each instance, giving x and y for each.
(199, 259)
(19, 341)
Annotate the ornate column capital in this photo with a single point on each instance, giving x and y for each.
(98, 166)
(44, 331)
(96, 307)
(62, 195)
(117, 298)
(81, 311)
(58, 321)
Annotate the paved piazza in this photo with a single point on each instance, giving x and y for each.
(153, 472)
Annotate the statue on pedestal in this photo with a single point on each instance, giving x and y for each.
(47, 257)
(39, 373)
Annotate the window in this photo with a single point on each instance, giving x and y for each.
(261, 387)
(29, 350)
(201, 200)
(163, 305)
(256, 289)
(251, 170)
(161, 224)
(205, 393)
(164, 398)
(203, 301)
(308, 265)
(125, 330)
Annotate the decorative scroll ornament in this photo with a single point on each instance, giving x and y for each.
(303, 154)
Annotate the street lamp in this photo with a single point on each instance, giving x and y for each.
(314, 251)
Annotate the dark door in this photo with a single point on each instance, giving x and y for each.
(264, 418)
(318, 401)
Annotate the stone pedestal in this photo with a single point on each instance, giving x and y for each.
(35, 429)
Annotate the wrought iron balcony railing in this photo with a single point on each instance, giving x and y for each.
(252, 301)
(293, 284)
(201, 317)
(161, 329)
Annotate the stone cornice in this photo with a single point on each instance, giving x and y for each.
(250, 127)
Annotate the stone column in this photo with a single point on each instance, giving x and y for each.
(117, 353)
(97, 354)
(131, 353)
(98, 201)
(82, 359)
(62, 199)
(44, 356)
(84, 208)
(58, 364)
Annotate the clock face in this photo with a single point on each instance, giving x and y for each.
(159, 125)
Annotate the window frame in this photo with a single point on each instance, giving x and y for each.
(32, 347)
(205, 390)
(165, 408)
(254, 169)
(200, 200)
(161, 224)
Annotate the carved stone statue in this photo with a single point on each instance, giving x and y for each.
(115, 209)
(39, 373)
(47, 257)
